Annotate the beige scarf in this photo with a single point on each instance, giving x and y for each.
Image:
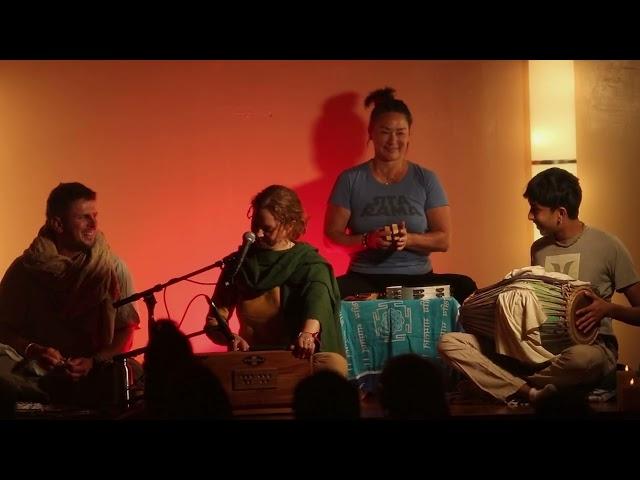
(82, 284)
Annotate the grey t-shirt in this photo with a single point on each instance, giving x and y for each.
(373, 205)
(594, 256)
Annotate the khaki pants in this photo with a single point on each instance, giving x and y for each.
(576, 366)
(329, 361)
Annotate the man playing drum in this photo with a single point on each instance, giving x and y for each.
(570, 247)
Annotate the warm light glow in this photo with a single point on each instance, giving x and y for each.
(631, 382)
(552, 111)
(552, 117)
(538, 137)
(626, 368)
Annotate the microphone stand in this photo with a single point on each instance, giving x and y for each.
(150, 301)
(121, 360)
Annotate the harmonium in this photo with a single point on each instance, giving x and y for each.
(258, 382)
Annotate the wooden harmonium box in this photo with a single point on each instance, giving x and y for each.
(259, 379)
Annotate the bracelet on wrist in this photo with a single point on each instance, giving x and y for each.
(365, 239)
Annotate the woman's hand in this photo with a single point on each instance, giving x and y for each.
(305, 345)
(377, 240)
(239, 344)
(382, 239)
(399, 240)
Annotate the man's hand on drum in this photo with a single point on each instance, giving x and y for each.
(589, 317)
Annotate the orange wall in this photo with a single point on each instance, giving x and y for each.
(176, 149)
(608, 149)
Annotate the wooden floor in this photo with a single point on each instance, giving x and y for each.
(371, 409)
(462, 410)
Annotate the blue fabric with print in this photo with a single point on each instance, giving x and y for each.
(377, 330)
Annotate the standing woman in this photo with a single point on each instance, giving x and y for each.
(386, 190)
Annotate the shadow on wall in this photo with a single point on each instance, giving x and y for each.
(339, 142)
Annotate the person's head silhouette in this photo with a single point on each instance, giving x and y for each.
(325, 395)
(411, 387)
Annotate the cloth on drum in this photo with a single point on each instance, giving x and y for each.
(517, 330)
(525, 314)
(540, 271)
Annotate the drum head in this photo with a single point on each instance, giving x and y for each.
(576, 301)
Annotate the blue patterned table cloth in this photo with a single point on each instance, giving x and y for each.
(377, 330)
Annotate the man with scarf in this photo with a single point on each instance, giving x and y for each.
(285, 294)
(57, 321)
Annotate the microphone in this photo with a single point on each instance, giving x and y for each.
(247, 240)
(222, 327)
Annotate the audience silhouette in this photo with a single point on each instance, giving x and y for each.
(177, 385)
(412, 387)
(326, 395)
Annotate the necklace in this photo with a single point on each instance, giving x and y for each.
(389, 179)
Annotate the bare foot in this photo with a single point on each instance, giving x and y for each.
(537, 396)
